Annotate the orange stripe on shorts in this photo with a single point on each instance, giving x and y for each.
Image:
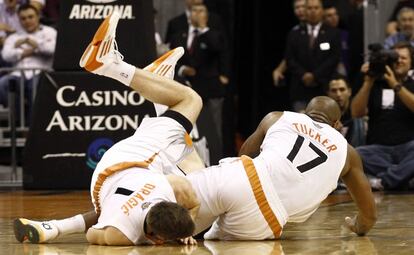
(260, 197)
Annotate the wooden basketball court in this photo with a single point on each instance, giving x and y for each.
(321, 234)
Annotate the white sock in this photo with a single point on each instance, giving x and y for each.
(75, 224)
(121, 71)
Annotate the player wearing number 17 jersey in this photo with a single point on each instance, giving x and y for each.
(297, 161)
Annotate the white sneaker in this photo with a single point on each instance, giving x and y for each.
(165, 64)
(102, 50)
(34, 231)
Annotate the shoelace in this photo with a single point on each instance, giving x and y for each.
(118, 55)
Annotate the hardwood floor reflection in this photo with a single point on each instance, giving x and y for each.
(323, 233)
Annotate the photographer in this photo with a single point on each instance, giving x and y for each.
(389, 102)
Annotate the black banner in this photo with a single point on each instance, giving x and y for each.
(79, 19)
(73, 123)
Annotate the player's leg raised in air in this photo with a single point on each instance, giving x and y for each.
(102, 57)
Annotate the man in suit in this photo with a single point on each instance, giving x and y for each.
(313, 52)
(205, 62)
(181, 23)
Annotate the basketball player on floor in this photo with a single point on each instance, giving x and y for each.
(301, 158)
(135, 203)
(297, 161)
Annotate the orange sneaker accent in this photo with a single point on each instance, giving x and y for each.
(158, 61)
(91, 63)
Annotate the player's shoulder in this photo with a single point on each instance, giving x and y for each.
(270, 119)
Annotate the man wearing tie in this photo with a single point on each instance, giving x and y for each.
(205, 63)
(313, 52)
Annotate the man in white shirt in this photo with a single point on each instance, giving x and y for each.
(33, 47)
(9, 20)
(9, 23)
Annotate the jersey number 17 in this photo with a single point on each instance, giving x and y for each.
(322, 157)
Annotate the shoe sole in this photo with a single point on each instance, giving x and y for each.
(24, 231)
(164, 68)
(88, 59)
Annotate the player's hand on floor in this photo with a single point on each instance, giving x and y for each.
(352, 224)
(188, 240)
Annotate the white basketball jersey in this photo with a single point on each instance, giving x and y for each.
(305, 159)
(127, 212)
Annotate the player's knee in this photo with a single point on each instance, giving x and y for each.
(195, 101)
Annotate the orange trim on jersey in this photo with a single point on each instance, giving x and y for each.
(260, 197)
(188, 140)
(114, 169)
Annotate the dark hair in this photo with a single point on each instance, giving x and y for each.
(170, 221)
(337, 76)
(200, 4)
(404, 45)
(24, 7)
(328, 5)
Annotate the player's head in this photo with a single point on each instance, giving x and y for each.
(168, 221)
(324, 109)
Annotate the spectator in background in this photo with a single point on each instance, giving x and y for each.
(392, 26)
(331, 18)
(313, 51)
(204, 64)
(33, 47)
(181, 23)
(344, 9)
(299, 9)
(9, 23)
(353, 129)
(405, 19)
(389, 155)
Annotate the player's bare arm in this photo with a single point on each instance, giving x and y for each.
(251, 147)
(185, 194)
(107, 236)
(360, 190)
(186, 197)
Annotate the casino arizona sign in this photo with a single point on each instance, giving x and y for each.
(69, 98)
